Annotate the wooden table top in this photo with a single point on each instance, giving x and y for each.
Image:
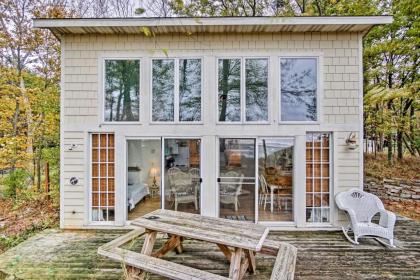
(215, 230)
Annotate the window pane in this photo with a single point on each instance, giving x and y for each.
(163, 90)
(103, 185)
(298, 89)
(317, 177)
(182, 175)
(143, 177)
(256, 84)
(122, 79)
(275, 177)
(237, 179)
(229, 90)
(190, 90)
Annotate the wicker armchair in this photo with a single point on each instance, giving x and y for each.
(229, 192)
(361, 207)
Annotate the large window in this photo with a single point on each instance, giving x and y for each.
(122, 82)
(103, 177)
(243, 96)
(318, 165)
(298, 89)
(176, 90)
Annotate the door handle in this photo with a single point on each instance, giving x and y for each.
(201, 180)
(218, 180)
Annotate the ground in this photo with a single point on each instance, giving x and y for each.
(56, 254)
(378, 167)
(25, 217)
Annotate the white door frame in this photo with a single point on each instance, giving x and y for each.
(163, 166)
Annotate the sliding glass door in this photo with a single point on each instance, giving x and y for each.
(236, 179)
(275, 179)
(143, 176)
(242, 163)
(182, 174)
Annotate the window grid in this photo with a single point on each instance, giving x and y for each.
(103, 176)
(318, 181)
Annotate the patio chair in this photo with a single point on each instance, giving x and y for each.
(229, 192)
(183, 190)
(264, 197)
(361, 207)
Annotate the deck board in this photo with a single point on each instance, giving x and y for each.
(56, 254)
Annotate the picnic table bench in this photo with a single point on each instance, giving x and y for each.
(238, 241)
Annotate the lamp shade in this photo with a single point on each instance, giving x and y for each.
(153, 171)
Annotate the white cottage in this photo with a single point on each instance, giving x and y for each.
(240, 118)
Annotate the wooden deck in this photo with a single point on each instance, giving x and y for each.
(56, 254)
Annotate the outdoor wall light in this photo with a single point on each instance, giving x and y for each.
(351, 141)
(72, 147)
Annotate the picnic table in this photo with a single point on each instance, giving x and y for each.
(238, 241)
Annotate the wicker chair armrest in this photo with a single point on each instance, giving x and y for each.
(387, 219)
(352, 215)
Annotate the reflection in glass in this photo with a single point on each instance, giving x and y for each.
(318, 177)
(237, 179)
(229, 96)
(182, 175)
(298, 89)
(190, 90)
(122, 79)
(275, 168)
(143, 176)
(256, 84)
(163, 90)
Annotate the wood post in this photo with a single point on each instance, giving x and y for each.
(235, 264)
(149, 242)
(226, 251)
(250, 255)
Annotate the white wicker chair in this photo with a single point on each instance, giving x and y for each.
(361, 207)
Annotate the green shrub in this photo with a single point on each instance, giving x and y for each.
(15, 181)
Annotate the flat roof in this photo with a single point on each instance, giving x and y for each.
(211, 24)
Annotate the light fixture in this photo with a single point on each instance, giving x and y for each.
(153, 172)
(351, 141)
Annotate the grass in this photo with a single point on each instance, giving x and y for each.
(378, 167)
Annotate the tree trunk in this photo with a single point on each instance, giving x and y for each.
(47, 179)
(38, 171)
(225, 90)
(389, 140)
(399, 144)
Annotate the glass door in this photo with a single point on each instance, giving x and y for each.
(143, 176)
(182, 174)
(275, 179)
(237, 179)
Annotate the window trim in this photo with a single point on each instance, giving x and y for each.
(243, 90)
(319, 88)
(102, 89)
(176, 120)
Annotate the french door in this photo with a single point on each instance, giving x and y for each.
(255, 179)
